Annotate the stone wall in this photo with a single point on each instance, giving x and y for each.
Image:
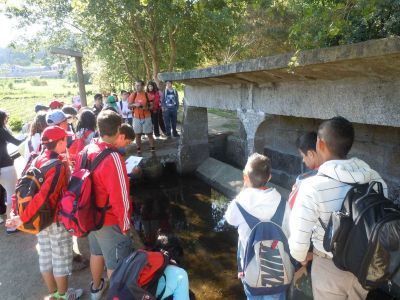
(379, 146)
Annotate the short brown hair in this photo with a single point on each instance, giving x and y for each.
(258, 169)
(108, 123)
(127, 130)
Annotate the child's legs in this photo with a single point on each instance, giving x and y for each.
(45, 259)
(8, 179)
(167, 122)
(173, 116)
(62, 253)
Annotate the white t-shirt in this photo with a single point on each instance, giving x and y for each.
(35, 143)
(125, 110)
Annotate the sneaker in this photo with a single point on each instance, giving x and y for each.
(176, 134)
(71, 294)
(12, 231)
(97, 294)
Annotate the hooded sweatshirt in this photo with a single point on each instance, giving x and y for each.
(321, 195)
(262, 204)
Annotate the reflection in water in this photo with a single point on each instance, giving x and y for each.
(192, 210)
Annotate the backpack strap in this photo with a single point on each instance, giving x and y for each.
(99, 158)
(277, 218)
(251, 220)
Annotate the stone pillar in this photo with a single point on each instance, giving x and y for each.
(81, 81)
(193, 143)
(250, 120)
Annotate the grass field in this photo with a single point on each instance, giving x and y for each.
(19, 96)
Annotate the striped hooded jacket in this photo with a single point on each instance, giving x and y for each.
(321, 195)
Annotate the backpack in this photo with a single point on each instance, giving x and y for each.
(170, 102)
(136, 277)
(26, 189)
(267, 266)
(78, 144)
(79, 212)
(364, 236)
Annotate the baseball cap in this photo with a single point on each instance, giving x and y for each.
(53, 133)
(55, 117)
(55, 104)
(39, 107)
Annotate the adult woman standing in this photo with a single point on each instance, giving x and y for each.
(154, 95)
(8, 174)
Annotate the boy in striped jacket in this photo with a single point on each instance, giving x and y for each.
(318, 197)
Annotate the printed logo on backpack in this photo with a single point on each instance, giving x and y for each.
(27, 187)
(79, 212)
(267, 266)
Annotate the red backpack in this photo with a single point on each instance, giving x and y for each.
(79, 212)
(78, 144)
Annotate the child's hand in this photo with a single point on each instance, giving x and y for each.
(309, 257)
(14, 222)
(240, 275)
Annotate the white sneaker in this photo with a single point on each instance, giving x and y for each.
(72, 294)
(98, 294)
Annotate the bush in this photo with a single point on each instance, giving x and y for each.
(15, 124)
(37, 82)
(10, 85)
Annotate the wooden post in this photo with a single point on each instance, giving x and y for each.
(79, 70)
(81, 80)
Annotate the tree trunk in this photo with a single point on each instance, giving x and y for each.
(140, 42)
(172, 46)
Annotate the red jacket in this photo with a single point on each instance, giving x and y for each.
(54, 195)
(110, 181)
(155, 95)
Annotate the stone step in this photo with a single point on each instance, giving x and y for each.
(227, 179)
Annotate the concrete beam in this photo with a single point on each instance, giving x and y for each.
(374, 58)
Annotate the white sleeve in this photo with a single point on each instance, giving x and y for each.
(232, 214)
(303, 218)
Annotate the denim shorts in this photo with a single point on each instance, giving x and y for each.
(110, 243)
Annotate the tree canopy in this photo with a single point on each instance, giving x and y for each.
(132, 39)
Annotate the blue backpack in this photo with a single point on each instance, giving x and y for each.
(267, 266)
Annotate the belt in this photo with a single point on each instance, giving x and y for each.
(321, 254)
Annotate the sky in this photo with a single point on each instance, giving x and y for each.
(9, 31)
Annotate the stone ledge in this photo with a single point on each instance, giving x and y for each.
(227, 179)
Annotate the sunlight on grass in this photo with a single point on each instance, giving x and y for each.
(19, 96)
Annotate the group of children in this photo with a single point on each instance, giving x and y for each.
(315, 195)
(52, 138)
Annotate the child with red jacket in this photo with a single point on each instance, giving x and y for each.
(111, 187)
(55, 243)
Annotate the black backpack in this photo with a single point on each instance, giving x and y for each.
(364, 236)
(136, 277)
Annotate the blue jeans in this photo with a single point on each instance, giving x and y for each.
(280, 296)
(170, 116)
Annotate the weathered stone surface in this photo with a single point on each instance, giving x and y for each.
(375, 58)
(236, 151)
(193, 143)
(227, 179)
(217, 145)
